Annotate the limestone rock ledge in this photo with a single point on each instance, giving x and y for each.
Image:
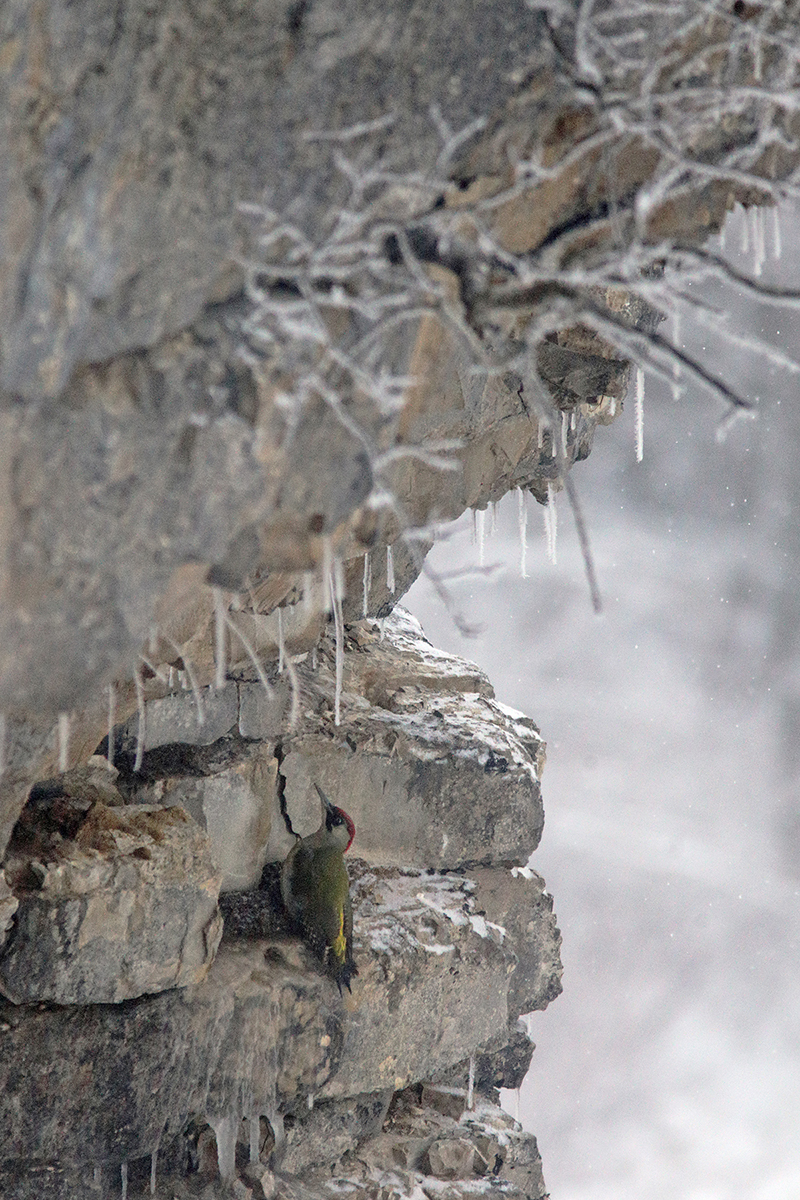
(257, 1070)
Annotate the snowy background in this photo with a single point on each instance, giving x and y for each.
(670, 1067)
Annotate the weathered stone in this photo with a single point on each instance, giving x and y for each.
(261, 1033)
(262, 714)
(252, 1037)
(518, 902)
(453, 1158)
(331, 1129)
(432, 776)
(176, 718)
(421, 955)
(8, 906)
(450, 1102)
(238, 808)
(128, 906)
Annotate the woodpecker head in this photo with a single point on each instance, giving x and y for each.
(338, 825)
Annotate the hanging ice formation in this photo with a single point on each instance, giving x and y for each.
(390, 569)
(334, 583)
(776, 232)
(550, 523)
(280, 641)
(367, 584)
(758, 217)
(63, 741)
(522, 519)
(639, 414)
(480, 517)
(471, 1083)
(225, 1130)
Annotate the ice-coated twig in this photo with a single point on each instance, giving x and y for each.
(583, 540)
(352, 132)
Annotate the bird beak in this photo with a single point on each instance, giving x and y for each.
(326, 802)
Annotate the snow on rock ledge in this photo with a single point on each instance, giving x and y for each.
(434, 771)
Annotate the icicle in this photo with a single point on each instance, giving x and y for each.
(540, 434)
(573, 421)
(112, 720)
(522, 520)
(367, 582)
(474, 512)
(2, 744)
(776, 232)
(471, 1083)
(493, 522)
(308, 593)
(723, 238)
(339, 589)
(141, 731)
(314, 659)
(310, 1101)
(612, 407)
(327, 575)
(189, 673)
(225, 1130)
(516, 1104)
(123, 1171)
(183, 682)
(564, 433)
(250, 652)
(745, 244)
(220, 658)
(254, 1129)
(758, 218)
(63, 742)
(390, 570)
(339, 627)
(481, 527)
(676, 366)
(171, 680)
(153, 1171)
(280, 641)
(639, 414)
(551, 523)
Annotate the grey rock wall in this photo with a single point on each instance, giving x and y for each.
(283, 287)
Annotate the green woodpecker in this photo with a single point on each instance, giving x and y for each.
(316, 892)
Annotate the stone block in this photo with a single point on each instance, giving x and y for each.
(238, 808)
(127, 907)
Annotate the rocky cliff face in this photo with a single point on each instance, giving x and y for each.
(284, 287)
